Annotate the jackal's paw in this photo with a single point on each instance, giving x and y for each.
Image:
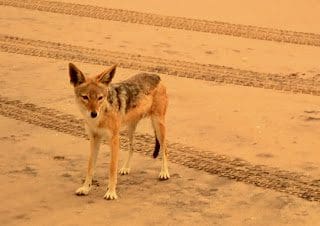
(110, 195)
(124, 171)
(84, 190)
(164, 175)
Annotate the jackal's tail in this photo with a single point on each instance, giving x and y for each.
(156, 149)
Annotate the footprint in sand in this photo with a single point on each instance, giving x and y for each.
(162, 44)
(209, 52)
(58, 157)
(311, 115)
(27, 170)
(264, 155)
(22, 217)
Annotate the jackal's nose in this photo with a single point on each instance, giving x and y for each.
(93, 114)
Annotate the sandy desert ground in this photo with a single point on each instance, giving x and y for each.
(243, 120)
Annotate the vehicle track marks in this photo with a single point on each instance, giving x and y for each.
(232, 168)
(189, 24)
(207, 72)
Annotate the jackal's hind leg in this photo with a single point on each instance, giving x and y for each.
(160, 129)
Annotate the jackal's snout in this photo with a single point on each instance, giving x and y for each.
(94, 108)
(93, 114)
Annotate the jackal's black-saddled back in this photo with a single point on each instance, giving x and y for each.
(125, 94)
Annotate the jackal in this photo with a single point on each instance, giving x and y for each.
(107, 107)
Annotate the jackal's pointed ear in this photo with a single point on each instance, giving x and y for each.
(76, 76)
(107, 75)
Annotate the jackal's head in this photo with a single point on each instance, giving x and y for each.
(91, 92)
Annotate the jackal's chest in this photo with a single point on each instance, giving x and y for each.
(95, 127)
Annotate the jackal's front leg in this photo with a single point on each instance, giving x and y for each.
(95, 142)
(126, 166)
(114, 146)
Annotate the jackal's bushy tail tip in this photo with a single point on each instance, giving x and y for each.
(156, 149)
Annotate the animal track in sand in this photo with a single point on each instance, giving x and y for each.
(27, 171)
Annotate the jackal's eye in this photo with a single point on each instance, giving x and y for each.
(100, 98)
(85, 97)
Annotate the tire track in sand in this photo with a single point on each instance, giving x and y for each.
(215, 27)
(232, 168)
(208, 72)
